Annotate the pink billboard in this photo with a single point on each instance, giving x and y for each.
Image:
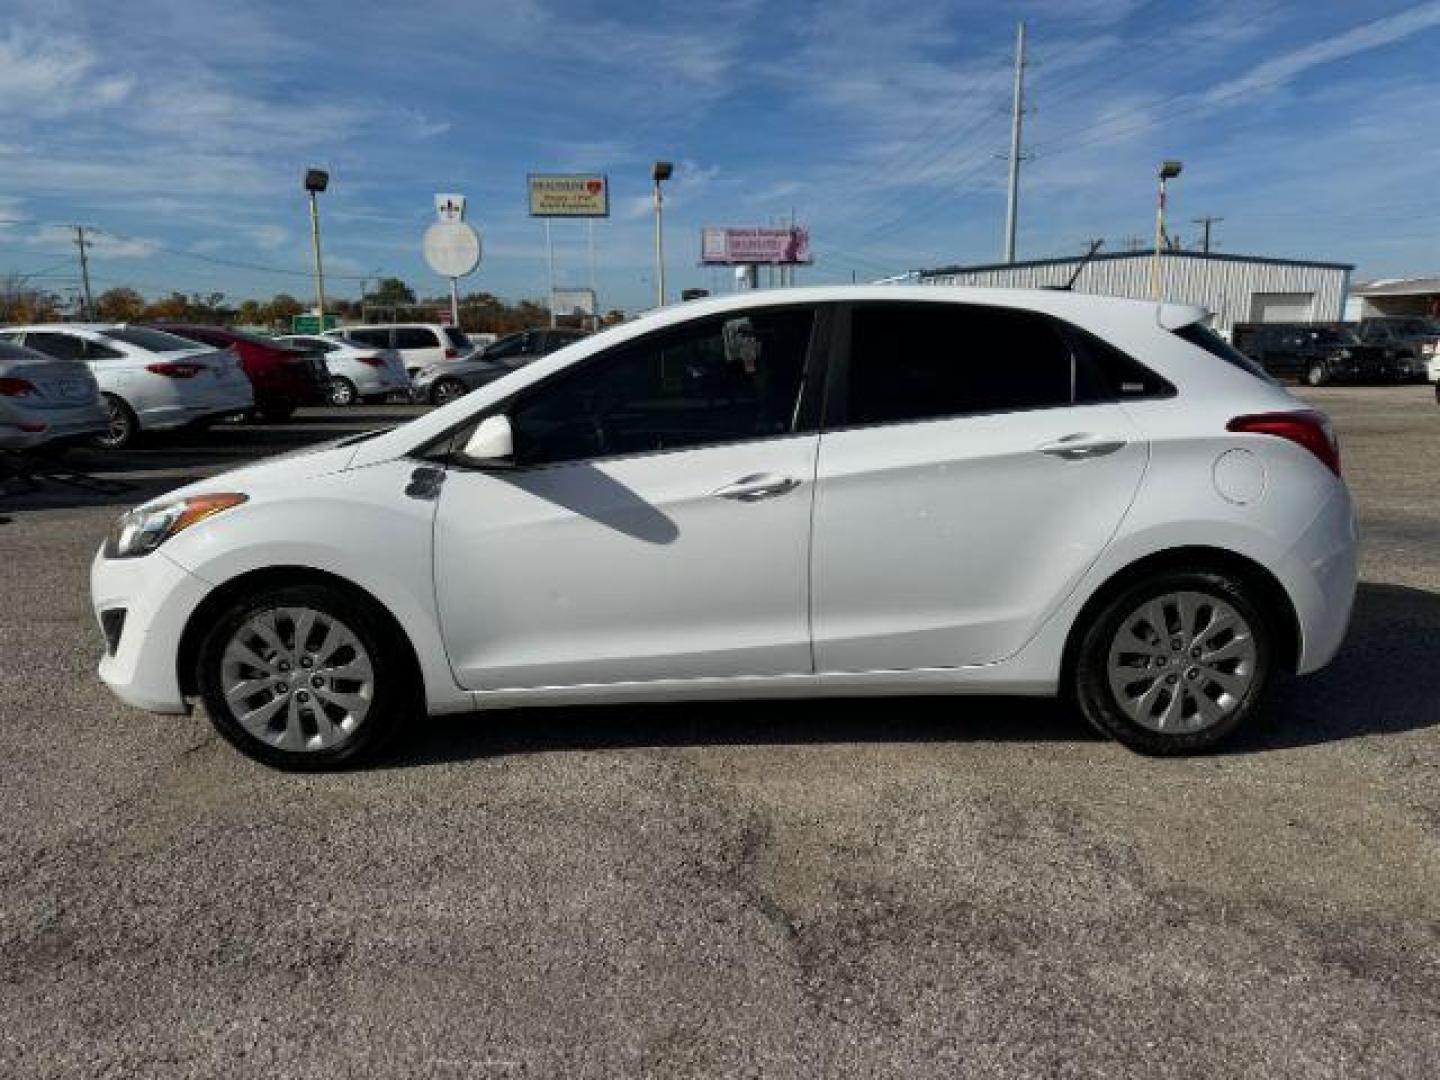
(755, 247)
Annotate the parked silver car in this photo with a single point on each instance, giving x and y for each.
(358, 372)
(44, 401)
(442, 383)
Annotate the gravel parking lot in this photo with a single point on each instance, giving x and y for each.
(911, 888)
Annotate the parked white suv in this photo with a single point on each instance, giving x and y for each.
(150, 380)
(826, 491)
(419, 344)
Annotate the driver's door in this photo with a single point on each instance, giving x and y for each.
(655, 523)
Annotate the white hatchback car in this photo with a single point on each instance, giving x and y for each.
(150, 380)
(357, 372)
(829, 491)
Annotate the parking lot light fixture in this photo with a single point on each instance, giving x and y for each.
(1169, 170)
(316, 181)
(662, 170)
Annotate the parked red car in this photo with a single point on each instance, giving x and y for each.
(284, 377)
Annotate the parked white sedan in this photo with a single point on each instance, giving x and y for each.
(150, 380)
(44, 401)
(831, 491)
(357, 372)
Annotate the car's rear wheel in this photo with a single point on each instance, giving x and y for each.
(305, 677)
(342, 391)
(447, 390)
(276, 412)
(1174, 664)
(123, 427)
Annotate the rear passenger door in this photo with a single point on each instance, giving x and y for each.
(418, 347)
(972, 467)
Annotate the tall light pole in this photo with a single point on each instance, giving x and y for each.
(1017, 112)
(1168, 171)
(316, 181)
(663, 170)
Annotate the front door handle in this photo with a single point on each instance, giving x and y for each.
(757, 486)
(1081, 446)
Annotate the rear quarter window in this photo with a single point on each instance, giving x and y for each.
(1204, 338)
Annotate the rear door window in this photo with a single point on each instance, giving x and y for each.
(923, 361)
(60, 346)
(457, 338)
(415, 337)
(379, 339)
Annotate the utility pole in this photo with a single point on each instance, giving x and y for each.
(84, 271)
(1205, 222)
(1012, 205)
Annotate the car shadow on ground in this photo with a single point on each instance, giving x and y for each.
(1383, 682)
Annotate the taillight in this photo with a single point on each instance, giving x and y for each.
(17, 388)
(372, 361)
(1303, 427)
(175, 371)
(451, 354)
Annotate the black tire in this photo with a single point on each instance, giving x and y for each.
(124, 427)
(343, 392)
(1317, 374)
(396, 693)
(447, 390)
(1090, 679)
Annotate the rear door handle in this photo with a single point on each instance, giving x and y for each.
(1081, 446)
(757, 486)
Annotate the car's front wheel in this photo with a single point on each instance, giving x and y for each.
(1317, 374)
(1174, 664)
(305, 677)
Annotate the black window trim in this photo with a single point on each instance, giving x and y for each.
(835, 416)
(445, 448)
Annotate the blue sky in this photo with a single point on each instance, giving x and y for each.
(180, 129)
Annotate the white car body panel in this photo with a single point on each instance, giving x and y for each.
(607, 564)
(626, 579)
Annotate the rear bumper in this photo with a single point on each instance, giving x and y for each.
(1319, 573)
(158, 597)
(60, 425)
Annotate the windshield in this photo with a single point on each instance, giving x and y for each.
(157, 341)
(1416, 327)
(1215, 345)
(1332, 335)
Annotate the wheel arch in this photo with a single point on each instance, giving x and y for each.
(1270, 593)
(269, 577)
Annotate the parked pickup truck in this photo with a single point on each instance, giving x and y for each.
(1318, 353)
(1413, 336)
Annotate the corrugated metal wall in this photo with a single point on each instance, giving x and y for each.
(1224, 286)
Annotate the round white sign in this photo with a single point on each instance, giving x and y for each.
(452, 248)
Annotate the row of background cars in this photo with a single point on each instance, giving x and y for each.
(107, 383)
(1385, 349)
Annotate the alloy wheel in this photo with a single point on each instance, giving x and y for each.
(1182, 662)
(447, 390)
(297, 679)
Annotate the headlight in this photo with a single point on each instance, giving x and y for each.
(141, 531)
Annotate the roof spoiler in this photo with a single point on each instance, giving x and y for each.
(1176, 316)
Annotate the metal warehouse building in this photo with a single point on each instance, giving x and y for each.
(1234, 288)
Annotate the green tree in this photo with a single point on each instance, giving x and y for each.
(281, 309)
(121, 304)
(391, 292)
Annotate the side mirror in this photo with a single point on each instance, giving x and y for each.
(491, 444)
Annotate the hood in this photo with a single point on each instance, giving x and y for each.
(305, 463)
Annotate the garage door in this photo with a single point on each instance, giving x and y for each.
(1282, 307)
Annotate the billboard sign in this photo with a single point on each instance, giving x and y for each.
(577, 303)
(782, 246)
(573, 195)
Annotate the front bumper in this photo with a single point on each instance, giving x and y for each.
(158, 597)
